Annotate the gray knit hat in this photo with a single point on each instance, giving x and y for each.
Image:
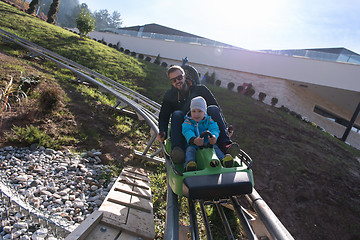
(198, 103)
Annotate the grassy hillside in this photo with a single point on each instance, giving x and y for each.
(307, 177)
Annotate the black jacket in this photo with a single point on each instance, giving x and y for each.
(173, 101)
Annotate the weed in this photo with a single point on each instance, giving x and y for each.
(49, 100)
(32, 135)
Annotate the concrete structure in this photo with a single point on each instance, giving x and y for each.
(299, 83)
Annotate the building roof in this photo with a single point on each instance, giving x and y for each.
(339, 54)
(156, 28)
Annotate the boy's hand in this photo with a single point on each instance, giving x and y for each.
(199, 141)
(212, 140)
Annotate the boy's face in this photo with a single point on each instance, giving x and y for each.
(197, 115)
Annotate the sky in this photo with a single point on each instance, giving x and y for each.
(250, 24)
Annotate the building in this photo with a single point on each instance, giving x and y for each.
(322, 85)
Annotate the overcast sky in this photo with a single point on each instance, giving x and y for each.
(250, 24)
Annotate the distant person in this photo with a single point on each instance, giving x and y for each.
(197, 122)
(176, 103)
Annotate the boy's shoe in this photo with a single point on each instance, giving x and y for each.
(233, 149)
(178, 155)
(227, 161)
(191, 166)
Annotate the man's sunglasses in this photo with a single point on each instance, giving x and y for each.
(178, 78)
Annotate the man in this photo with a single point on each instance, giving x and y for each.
(176, 103)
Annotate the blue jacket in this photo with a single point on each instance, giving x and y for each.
(190, 128)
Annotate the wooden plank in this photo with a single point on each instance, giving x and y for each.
(133, 193)
(127, 236)
(136, 170)
(135, 176)
(86, 227)
(133, 182)
(145, 222)
(104, 231)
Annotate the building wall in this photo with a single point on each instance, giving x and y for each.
(288, 91)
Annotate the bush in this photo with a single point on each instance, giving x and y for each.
(49, 100)
(157, 60)
(127, 51)
(240, 88)
(31, 135)
(218, 83)
(133, 54)
(164, 64)
(230, 86)
(141, 56)
(262, 96)
(110, 45)
(274, 101)
(121, 49)
(148, 59)
(249, 92)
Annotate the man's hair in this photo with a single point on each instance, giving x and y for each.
(173, 68)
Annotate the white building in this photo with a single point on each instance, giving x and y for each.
(322, 85)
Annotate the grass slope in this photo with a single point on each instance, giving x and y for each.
(308, 178)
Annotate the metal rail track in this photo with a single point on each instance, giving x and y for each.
(148, 110)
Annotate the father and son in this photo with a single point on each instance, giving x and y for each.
(193, 109)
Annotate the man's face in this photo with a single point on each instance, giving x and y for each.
(177, 80)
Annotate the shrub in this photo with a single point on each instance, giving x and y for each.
(218, 83)
(148, 59)
(141, 56)
(230, 85)
(127, 51)
(274, 101)
(49, 100)
(117, 46)
(164, 64)
(262, 96)
(121, 49)
(110, 45)
(133, 54)
(157, 60)
(249, 92)
(31, 135)
(240, 88)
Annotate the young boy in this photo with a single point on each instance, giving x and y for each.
(195, 123)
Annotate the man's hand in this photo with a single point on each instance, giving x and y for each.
(212, 140)
(161, 136)
(199, 141)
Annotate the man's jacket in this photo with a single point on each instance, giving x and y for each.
(173, 101)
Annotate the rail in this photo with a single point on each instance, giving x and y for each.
(146, 110)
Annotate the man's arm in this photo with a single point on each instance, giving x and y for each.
(208, 96)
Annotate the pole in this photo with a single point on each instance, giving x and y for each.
(351, 123)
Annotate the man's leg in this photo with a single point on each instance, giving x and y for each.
(224, 142)
(177, 138)
(217, 116)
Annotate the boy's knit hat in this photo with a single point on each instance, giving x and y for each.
(198, 103)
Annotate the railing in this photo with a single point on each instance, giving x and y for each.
(147, 110)
(175, 38)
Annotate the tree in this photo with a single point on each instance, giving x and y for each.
(54, 8)
(85, 22)
(105, 20)
(32, 6)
